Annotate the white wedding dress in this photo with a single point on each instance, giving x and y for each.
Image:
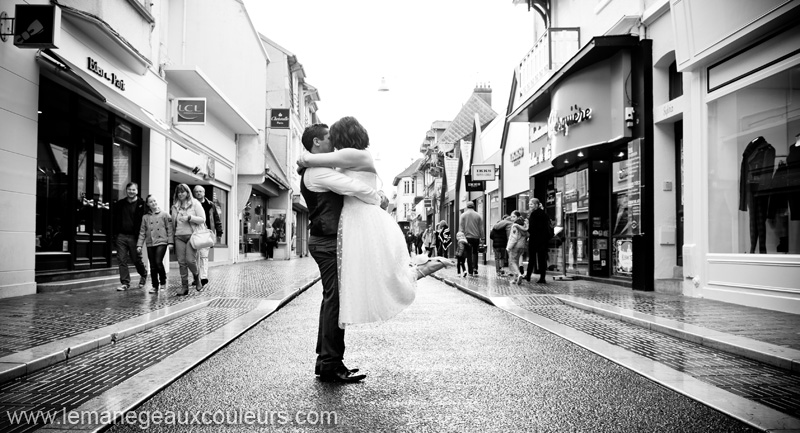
(376, 277)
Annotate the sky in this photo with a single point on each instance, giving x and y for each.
(432, 54)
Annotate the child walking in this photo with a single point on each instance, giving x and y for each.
(462, 252)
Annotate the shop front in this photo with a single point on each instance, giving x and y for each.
(586, 152)
(92, 142)
(743, 225)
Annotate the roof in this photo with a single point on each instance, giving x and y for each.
(408, 172)
(462, 125)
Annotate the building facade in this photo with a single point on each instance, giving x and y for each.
(741, 81)
(98, 109)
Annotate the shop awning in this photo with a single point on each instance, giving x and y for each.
(64, 71)
(599, 48)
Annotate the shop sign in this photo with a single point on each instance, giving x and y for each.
(190, 111)
(279, 118)
(557, 124)
(36, 26)
(428, 203)
(112, 78)
(482, 172)
(474, 185)
(517, 155)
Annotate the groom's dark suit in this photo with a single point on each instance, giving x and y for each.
(322, 188)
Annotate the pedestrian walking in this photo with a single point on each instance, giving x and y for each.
(157, 235)
(418, 242)
(499, 237)
(462, 253)
(443, 239)
(187, 216)
(471, 223)
(410, 240)
(127, 216)
(540, 231)
(429, 241)
(270, 241)
(517, 244)
(214, 223)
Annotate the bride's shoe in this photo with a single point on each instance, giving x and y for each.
(432, 265)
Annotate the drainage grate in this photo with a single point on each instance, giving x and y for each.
(768, 385)
(531, 300)
(234, 303)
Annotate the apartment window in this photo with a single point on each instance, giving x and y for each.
(408, 187)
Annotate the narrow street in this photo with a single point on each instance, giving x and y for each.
(449, 363)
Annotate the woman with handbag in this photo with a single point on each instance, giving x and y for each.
(156, 234)
(188, 218)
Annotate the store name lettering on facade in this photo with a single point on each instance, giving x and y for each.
(113, 78)
(517, 155)
(557, 124)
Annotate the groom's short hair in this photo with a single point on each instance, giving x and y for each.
(317, 130)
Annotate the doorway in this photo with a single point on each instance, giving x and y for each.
(86, 156)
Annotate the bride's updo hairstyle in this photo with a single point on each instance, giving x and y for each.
(348, 133)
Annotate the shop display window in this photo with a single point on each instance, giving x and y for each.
(754, 168)
(220, 199)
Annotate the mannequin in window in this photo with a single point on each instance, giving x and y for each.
(778, 213)
(758, 164)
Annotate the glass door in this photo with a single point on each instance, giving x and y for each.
(93, 216)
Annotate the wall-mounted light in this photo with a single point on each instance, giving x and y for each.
(580, 154)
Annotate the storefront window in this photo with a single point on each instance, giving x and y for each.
(220, 199)
(754, 168)
(254, 224)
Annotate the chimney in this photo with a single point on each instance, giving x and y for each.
(484, 91)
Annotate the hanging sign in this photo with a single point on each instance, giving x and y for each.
(474, 185)
(482, 172)
(37, 26)
(190, 111)
(279, 118)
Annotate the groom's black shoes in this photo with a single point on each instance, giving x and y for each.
(342, 376)
(351, 370)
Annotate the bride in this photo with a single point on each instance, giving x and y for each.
(377, 278)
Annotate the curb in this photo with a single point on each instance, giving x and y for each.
(778, 356)
(36, 358)
(136, 390)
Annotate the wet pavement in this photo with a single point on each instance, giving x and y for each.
(33, 320)
(448, 363)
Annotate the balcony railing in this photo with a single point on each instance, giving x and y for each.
(549, 53)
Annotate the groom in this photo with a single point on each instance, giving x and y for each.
(323, 188)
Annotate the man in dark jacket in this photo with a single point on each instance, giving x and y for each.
(213, 223)
(539, 236)
(127, 220)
